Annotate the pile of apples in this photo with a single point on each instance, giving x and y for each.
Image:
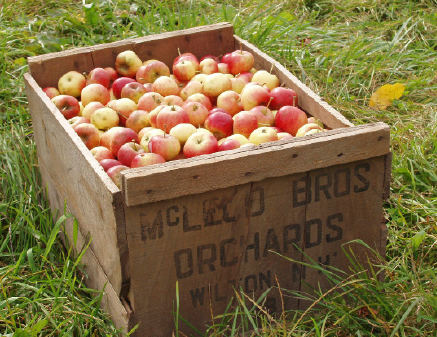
(143, 113)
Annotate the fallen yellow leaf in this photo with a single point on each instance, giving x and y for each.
(383, 97)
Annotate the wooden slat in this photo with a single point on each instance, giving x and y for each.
(220, 170)
(308, 100)
(90, 193)
(48, 68)
(95, 276)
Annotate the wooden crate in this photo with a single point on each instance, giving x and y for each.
(211, 223)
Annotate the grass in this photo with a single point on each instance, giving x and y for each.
(343, 50)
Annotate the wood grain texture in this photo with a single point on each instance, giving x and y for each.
(48, 68)
(95, 276)
(199, 174)
(91, 195)
(308, 100)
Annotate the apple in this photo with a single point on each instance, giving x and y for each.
(146, 159)
(197, 113)
(170, 116)
(237, 84)
(101, 152)
(200, 98)
(245, 123)
(225, 58)
(316, 121)
(124, 107)
(138, 120)
(223, 68)
(100, 76)
(182, 131)
(71, 83)
(263, 134)
(51, 92)
(208, 66)
(240, 61)
(264, 115)
(150, 101)
(104, 118)
(173, 100)
(282, 97)
(217, 109)
(133, 91)
(215, 84)
(304, 129)
(253, 95)
(114, 138)
(284, 135)
(67, 105)
(90, 109)
(75, 121)
(192, 87)
(119, 84)
(128, 151)
(229, 144)
(127, 63)
(230, 101)
(290, 119)
(114, 174)
(264, 77)
(148, 87)
(89, 134)
(199, 78)
(144, 141)
(243, 140)
(184, 70)
(108, 163)
(200, 143)
(246, 77)
(314, 131)
(167, 146)
(94, 92)
(152, 71)
(188, 57)
(209, 56)
(220, 124)
(165, 86)
(113, 75)
(153, 115)
(144, 130)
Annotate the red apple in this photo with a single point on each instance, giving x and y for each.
(128, 151)
(133, 91)
(192, 87)
(245, 123)
(71, 83)
(67, 105)
(209, 56)
(188, 57)
(153, 115)
(264, 115)
(119, 84)
(114, 174)
(113, 75)
(229, 144)
(223, 68)
(173, 100)
(89, 134)
(220, 124)
(167, 146)
(197, 113)
(138, 120)
(230, 101)
(200, 98)
(114, 139)
(144, 141)
(246, 77)
(100, 153)
(100, 76)
(170, 116)
(127, 63)
(253, 95)
(150, 101)
(240, 61)
(75, 121)
(51, 92)
(200, 143)
(146, 159)
(290, 119)
(226, 58)
(94, 92)
(282, 97)
(208, 66)
(108, 163)
(152, 71)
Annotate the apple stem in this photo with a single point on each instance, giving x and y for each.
(270, 100)
(165, 129)
(241, 48)
(179, 51)
(282, 84)
(294, 100)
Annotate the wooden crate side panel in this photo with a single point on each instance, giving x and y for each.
(211, 244)
(91, 195)
(343, 203)
(95, 276)
(275, 159)
(48, 68)
(308, 100)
